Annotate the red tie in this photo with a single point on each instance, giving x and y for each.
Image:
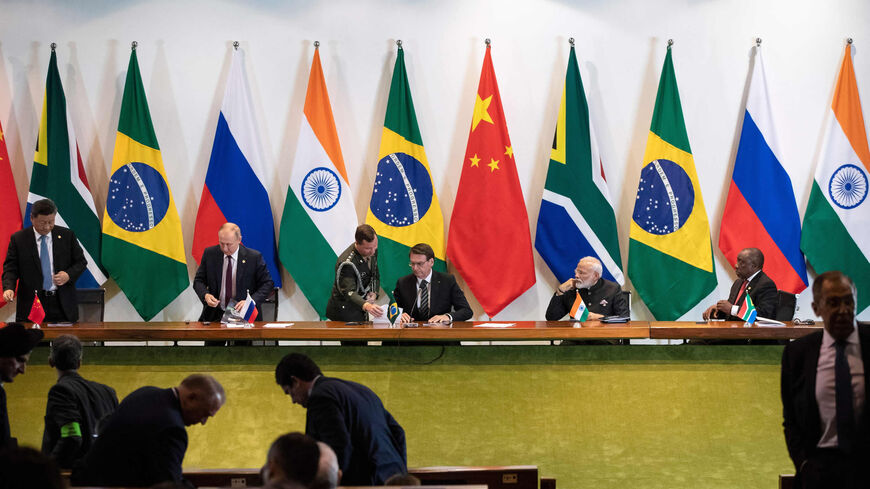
(740, 293)
(228, 283)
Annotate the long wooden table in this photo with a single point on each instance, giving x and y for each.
(467, 331)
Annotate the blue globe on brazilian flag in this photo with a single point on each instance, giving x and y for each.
(143, 249)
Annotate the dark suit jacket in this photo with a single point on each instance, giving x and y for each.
(605, 298)
(347, 297)
(142, 444)
(351, 419)
(74, 399)
(251, 275)
(763, 293)
(800, 411)
(445, 297)
(5, 435)
(22, 265)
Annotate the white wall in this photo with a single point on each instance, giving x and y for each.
(184, 52)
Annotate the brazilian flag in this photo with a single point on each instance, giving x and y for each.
(143, 249)
(670, 256)
(404, 209)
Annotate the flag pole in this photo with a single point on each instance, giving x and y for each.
(758, 42)
(133, 45)
(399, 43)
(316, 44)
(571, 41)
(236, 45)
(53, 46)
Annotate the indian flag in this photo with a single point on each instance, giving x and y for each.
(319, 218)
(836, 227)
(579, 311)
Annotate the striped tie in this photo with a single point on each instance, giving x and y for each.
(424, 300)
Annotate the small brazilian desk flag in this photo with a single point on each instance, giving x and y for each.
(404, 209)
(143, 250)
(670, 256)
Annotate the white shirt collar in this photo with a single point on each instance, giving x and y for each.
(828, 340)
(235, 255)
(36, 233)
(428, 279)
(753, 276)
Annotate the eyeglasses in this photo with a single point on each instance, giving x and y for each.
(805, 322)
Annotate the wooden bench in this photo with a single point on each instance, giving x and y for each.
(495, 477)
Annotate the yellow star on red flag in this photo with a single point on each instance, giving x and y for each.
(474, 160)
(509, 151)
(493, 165)
(481, 108)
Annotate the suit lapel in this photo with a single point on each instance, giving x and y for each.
(811, 370)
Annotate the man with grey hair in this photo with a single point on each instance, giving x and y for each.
(601, 297)
(144, 442)
(328, 473)
(75, 405)
(227, 272)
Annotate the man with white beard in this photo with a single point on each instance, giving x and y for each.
(601, 297)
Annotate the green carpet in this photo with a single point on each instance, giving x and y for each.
(590, 416)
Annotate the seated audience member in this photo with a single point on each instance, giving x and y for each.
(602, 297)
(824, 392)
(403, 480)
(752, 281)
(292, 462)
(349, 417)
(328, 473)
(27, 468)
(75, 405)
(16, 343)
(427, 295)
(144, 442)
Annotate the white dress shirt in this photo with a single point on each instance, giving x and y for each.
(735, 308)
(48, 242)
(826, 391)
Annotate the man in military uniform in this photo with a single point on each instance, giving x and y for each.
(357, 280)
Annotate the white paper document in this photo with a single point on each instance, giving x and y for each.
(277, 325)
(495, 325)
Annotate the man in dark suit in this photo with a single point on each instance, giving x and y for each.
(16, 343)
(429, 296)
(228, 271)
(75, 405)
(45, 259)
(357, 280)
(144, 442)
(350, 418)
(750, 280)
(601, 297)
(824, 392)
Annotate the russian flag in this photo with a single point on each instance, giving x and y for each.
(234, 189)
(760, 211)
(249, 310)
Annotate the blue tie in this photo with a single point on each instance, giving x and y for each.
(843, 397)
(45, 260)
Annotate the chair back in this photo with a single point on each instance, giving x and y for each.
(785, 305)
(92, 305)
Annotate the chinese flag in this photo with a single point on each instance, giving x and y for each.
(10, 211)
(37, 313)
(489, 240)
